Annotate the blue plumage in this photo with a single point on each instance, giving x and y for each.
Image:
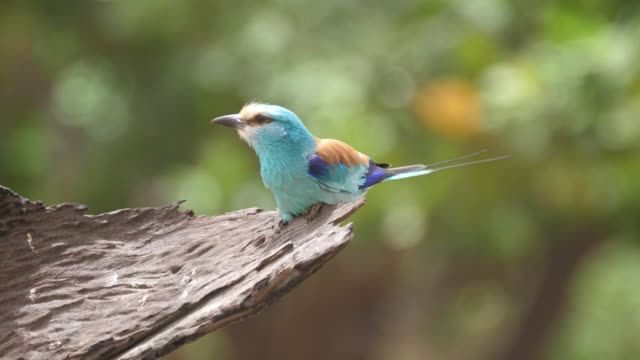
(302, 170)
(318, 168)
(374, 175)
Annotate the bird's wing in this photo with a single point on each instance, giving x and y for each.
(340, 168)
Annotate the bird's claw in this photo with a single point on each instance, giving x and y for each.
(279, 225)
(313, 212)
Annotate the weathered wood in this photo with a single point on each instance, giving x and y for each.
(137, 283)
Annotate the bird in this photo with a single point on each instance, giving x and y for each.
(304, 172)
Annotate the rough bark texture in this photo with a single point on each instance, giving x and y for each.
(137, 283)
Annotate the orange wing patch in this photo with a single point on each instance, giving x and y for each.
(335, 152)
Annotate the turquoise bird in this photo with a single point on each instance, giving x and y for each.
(303, 171)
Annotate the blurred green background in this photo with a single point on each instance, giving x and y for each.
(107, 103)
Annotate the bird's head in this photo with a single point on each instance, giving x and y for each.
(265, 126)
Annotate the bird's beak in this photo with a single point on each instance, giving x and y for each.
(233, 121)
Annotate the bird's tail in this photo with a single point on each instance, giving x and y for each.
(404, 172)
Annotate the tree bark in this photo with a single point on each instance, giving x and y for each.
(137, 283)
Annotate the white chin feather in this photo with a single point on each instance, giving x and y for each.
(246, 134)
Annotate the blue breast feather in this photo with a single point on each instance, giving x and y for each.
(343, 178)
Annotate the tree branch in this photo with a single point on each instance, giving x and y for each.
(137, 283)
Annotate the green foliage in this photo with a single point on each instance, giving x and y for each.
(107, 103)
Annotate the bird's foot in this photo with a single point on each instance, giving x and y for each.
(279, 225)
(313, 212)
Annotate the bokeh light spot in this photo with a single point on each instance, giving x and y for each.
(450, 107)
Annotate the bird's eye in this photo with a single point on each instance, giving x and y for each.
(262, 120)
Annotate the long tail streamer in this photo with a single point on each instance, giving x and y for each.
(417, 170)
